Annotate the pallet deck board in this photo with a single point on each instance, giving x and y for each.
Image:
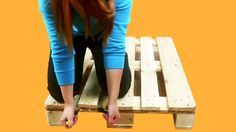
(179, 96)
(149, 86)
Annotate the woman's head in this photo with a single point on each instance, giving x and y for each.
(103, 10)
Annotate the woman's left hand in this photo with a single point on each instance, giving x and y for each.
(113, 114)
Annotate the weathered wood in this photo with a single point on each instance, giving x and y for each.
(179, 96)
(149, 86)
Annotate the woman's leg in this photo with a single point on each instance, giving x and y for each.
(126, 78)
(80, 49)
(53, 86)
(96, 49)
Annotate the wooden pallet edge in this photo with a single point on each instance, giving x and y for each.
(192, 105)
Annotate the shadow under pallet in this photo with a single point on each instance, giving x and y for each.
(159, 85)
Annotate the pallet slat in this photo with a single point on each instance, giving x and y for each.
(149, 86)
(163, 106)
(52, 104)
(156, 66)
(179, 96)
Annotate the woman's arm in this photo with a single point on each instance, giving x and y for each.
(67, 93)
(69, 108)
(114, 56)
(113, 83)
(63, 62)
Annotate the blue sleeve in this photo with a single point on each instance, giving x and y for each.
(114, 52)
(63, 62)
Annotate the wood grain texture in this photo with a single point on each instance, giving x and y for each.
(149, 86)
(179, 95)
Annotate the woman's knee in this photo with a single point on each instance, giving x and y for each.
(123, 92)
(126, 79)
(125, 85)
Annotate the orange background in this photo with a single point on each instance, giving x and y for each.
(204, 35)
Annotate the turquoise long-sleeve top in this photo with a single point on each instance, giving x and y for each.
(114, 52)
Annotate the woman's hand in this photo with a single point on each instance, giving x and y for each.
(113, 84)
(68, 115)
(68, 119)
(113, 114)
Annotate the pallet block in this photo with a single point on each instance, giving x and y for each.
(159, 85)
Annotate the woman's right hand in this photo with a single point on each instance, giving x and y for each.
(68, 115)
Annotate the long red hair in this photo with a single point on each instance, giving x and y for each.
(103, 10)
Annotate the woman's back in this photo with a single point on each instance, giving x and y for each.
(114, 52)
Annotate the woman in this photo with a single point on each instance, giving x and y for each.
(74, 25)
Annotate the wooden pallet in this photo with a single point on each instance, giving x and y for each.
(159, 85)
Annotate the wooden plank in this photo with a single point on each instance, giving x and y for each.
(156, 66)
(53, 118)
(163, 105)
(126, 121)
(51, 103)
(179, 95)
(137, 103)
(138, 43)
(184, 121)
(149, 86)
(90, 95)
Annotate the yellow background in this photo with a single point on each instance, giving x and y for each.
(204, 34)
